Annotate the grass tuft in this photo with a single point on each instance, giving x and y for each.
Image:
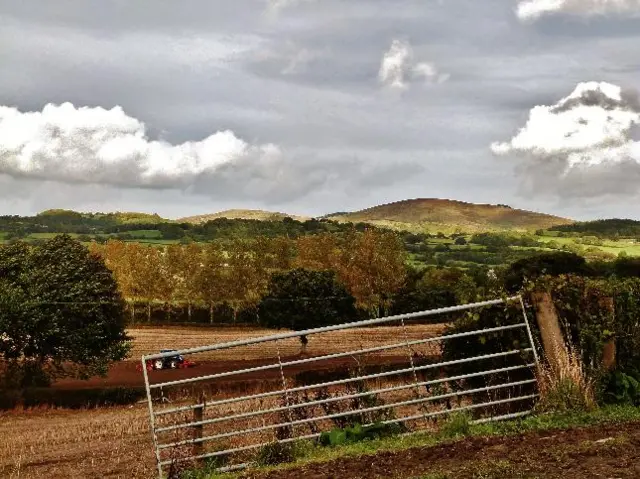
(567, 387)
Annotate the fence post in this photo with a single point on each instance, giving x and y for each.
(553, 343)
(609, 349)
(198, 416)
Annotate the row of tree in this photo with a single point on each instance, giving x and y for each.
(370, 264)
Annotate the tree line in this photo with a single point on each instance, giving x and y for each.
(609, 228)
(99, 226)
(237, 273)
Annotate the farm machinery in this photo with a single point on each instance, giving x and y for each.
(170, 362)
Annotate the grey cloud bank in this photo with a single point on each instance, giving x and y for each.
(291, 105)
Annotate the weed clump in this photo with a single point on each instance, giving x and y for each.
(357, 433)
(567, 387)
(458, 424)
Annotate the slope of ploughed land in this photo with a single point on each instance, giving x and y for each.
(444, 215)
(243, 215)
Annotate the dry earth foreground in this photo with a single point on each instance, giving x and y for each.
(605, 452)
(115, 443)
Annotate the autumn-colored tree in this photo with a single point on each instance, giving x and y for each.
(372, 266)
(209, 281)
(317, 252)
(281, 252)
(247, 276)
(148, 282)
(181, 265)
(116, 259)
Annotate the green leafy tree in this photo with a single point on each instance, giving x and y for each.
(61, 313)
(553, 264)
(460, 241)
(434, 288)
(302, 299)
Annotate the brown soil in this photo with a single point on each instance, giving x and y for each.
(606, 452)
(126, 373)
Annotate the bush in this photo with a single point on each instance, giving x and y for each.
(583, 304)
(489, 343)
(551, 264)
(619, 387)
(357, 433)
(303, 299)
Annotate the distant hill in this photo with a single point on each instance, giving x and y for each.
(243, 215)
(117, 217)
(449, 215)
(414, 215)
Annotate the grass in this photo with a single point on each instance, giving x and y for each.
(565, 387)
(537, 423)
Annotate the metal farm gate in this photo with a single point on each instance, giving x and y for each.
(276, 392)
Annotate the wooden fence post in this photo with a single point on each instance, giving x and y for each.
(555, 349)
(609, 349)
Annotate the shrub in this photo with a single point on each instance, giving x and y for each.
(619, 387)
(357, 433)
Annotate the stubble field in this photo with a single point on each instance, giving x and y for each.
(115, 442)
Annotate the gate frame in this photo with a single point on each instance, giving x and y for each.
(357, 324)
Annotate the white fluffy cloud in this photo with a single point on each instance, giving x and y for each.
(530, 10)
(397, 68)
(94, 145)
(582, 145)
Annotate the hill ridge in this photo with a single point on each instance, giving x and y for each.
(238, 213)
(428, 213)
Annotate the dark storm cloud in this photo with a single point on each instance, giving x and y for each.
(305, 79)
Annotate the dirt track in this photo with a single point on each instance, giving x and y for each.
(602, 452)
(126, 373)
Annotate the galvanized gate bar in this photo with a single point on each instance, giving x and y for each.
(339, 398)
(346, 413)
(337, 383)
(286, 420)
(391, 421)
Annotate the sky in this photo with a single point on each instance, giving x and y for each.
(317, 106)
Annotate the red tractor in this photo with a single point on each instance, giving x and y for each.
(170, 362)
